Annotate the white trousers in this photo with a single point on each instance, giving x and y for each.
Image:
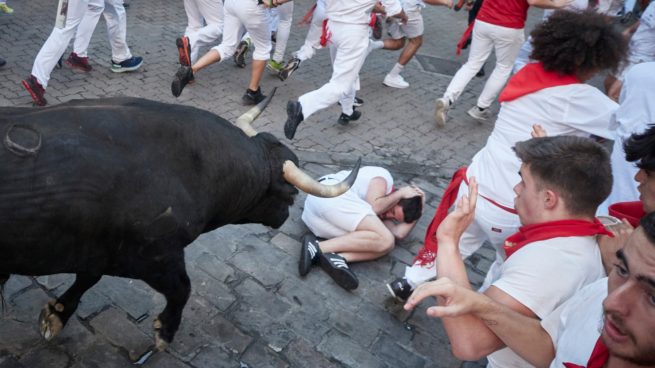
(245, 13)
(487, 37)
(348, 45)
(115, 17)
(491, 224)
(58, 41)
(313, 38)
(284, 19)
(203, 33)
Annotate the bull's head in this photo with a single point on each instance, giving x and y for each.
(274, 211)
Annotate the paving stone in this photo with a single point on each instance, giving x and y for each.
(45, 356)
(27, 306)
(132, 296)
(301, 353)
(119, 331)
(356, 327)
(214, 356)
(24, 336)
(393, 354)
(259, 355)
(9, 362)
(91, 303)
(211, 290)
(215, 267)
(101, 355)
(227, 334)
(286, 244)
(348, 352)
(14, 285)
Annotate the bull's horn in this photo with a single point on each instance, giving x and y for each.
(243, 122)
(304, 182)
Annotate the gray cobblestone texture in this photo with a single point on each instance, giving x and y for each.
(248, 307)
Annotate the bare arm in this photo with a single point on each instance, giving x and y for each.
(549, 4)
(400, 230)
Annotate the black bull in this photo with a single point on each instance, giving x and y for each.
(121, 186)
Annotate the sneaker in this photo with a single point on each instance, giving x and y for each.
(440, 111)
(78, 62)
(395, 81)
(128, 65)
(294, 118)
(309, 253)
(357, 102)
(288, 69)
(184, 50)
(183, 77)
(252, 97)
(480, 72)
(400, 289)
(478, 113)
(336, 266)
(2, 62)
(345, 119)
(36, 90)
(6, 9)
(274, 67)
(377, 27)
(240, 54)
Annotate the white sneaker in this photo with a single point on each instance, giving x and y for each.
(440, 111)
(395, 81)
(478, 113)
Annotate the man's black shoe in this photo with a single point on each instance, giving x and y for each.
(288, 69)
(400, 289)
(252, 97)
(309, 253)
(183, 77)
(345, 119)
(336, 266)
(294, 118)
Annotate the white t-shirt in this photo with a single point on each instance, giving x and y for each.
(576, 325)
(358, 11)
(642, 42)
(575, 109)
(543, 275)
(364, 177)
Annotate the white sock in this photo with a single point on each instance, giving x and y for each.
(374, 45)
(397, 69)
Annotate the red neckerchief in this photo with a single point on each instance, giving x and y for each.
(552, 229)
(326, 34)
(598, 357)
(532, 78)
(465, 36)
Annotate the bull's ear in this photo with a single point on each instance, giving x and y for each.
(307, 184)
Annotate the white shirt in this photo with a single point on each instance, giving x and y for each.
(642, 42)
(575, 109)
(576, 325)
(358, 11)
(542, 276)
(364, 177)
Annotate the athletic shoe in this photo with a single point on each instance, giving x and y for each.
(357, 102)
(240, 53)
(478, 113)
(480, 72)
(78, 62)
(395, 81)
(377, 27)
(2, 62)
(6, 9)
(252, 97)
(184, 50)
(294, 118)
(183, 77)
(309, 253)
(400, 289)
(274, 67)
(336, 266)
(288, 69)
(128, 65)
(36, 90)
(345, 119)
(440, 111)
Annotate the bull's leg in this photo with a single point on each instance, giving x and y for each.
(172, 281)
(56, 313)
(3, 280)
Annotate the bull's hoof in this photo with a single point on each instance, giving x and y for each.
(50, 324)
(160, 343)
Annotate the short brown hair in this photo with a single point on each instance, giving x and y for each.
(577, 168)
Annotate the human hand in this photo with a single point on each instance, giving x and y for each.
(452, 227)
(538, 131)
(379, 8)
(402, 16)
(412, 191)
(455, 300)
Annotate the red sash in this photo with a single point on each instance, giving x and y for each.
(598, 357)
(552, 229)
(532, 78)
(326, 34)
(465, 36)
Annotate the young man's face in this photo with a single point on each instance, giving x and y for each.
(646, 180)
(529, 198)
(394, 213)
(629, 329)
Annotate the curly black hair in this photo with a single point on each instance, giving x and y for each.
(578, 43)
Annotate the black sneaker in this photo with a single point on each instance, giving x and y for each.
(400, 289)
(183, 77)
(240, 54)
(184, 50)
(309, 253)
(336, 266)
(288, 69)
(345, 119)
(36, 90)
(252, 97)
(294, 118)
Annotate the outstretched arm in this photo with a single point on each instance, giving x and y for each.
(549, 4)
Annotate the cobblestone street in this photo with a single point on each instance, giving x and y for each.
(249, 307)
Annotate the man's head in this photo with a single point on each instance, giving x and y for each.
(407, 210)
(640, 149)
(563, 177)
(578, 43)
(628, 331)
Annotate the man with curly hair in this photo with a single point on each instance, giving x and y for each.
(569, 48)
